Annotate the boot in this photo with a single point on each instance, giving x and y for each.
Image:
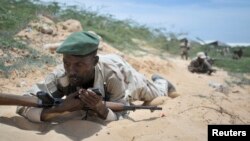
(171, 87)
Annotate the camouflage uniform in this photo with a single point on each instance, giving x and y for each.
(200, 66)
(184, 45)
(184, 52)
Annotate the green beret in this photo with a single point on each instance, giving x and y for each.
(79, 43)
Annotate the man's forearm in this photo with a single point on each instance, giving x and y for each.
(49, 114)
(102, 112)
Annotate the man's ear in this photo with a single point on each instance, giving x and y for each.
(96, 59)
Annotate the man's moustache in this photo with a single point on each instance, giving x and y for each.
(74, 78)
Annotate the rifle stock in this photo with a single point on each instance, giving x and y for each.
(18, 100)
(33, 101)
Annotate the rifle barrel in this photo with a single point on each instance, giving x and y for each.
(135, 107)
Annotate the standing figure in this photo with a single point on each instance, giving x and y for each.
(184, 48)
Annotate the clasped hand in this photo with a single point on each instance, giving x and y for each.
(82, 99)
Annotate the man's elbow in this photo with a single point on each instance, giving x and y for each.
(31, 113)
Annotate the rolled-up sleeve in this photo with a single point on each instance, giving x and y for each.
(111, 116)
(34, 114)
(49, 85)
(31, 113)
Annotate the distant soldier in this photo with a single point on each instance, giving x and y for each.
(184, 48)
(200, 64)
(237, 54)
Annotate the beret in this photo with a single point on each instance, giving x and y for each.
(79, 43)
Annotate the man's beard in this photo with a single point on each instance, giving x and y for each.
(77, 81)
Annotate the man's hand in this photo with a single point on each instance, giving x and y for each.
(94, 102)
(70, 104)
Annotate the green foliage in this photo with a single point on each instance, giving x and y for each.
(119, 33)
(34, 59)
(241, 65)
(11, 17)
(246, 51)
(15, 15)
(172, 46)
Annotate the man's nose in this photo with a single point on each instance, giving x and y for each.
(72, 70)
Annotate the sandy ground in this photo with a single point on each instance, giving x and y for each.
(183, 118)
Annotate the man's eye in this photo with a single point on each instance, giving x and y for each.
(66, 64)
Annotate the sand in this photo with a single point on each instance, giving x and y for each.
(183, 118)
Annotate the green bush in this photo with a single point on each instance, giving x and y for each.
(14, 16)
(241, 65)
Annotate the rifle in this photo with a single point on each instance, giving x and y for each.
(17, 100)
(44, 100)
(213, 60)
(118, 107)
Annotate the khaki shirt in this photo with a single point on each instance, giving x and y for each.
(123, 84)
